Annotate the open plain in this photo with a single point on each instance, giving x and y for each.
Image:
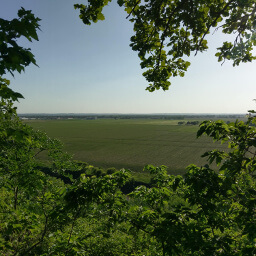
(130, 143)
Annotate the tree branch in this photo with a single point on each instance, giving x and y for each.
(210, 25)
(42, 237)
(164, 33)
(16, 189)
(127, 17)
(40, 151)
(43, 233)
(71, 231)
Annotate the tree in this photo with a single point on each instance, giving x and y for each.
(214, 212)
(168, 31)
(205, 212)
(43, 209)
(47, 211)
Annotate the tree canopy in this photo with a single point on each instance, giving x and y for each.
(62, 207)
(166, 32)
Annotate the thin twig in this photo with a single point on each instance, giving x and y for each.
(163, 34)
(42, 237)
(43, 233)
(71, 231)
(210, 25)
(133, 9)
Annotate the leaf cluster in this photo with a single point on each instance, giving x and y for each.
(167, 32)
(14, 57)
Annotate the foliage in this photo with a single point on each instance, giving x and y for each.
(42, 213)
(168, 31)
(206, 212)
(13, 56)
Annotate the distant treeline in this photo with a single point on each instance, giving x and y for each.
(189, 123)
(128, 116)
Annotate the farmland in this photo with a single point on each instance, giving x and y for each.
(129, 143)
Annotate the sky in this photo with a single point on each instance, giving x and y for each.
(92, 69)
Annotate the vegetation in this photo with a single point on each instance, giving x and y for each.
(168, 31)
(57, 212)
(130, 143)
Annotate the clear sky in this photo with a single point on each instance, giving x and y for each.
(92, 69)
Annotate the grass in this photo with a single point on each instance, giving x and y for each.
(131, 143)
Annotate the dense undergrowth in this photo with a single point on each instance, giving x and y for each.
(72, 208)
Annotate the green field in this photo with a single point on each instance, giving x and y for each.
(129, 143)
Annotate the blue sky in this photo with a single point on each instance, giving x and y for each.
(92, 69)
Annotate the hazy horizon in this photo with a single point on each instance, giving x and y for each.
(70, 113)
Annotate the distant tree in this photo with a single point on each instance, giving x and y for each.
(167, 31)
(192, 123)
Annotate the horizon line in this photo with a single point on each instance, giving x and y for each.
(70, 113)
